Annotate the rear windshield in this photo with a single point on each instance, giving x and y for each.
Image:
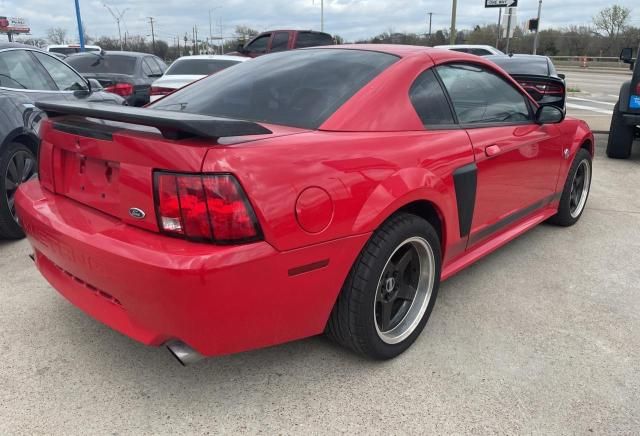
(300, 88)
(202, 67)
(514, 65)
(103, 64)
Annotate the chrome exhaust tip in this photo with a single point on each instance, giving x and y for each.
(184, 353)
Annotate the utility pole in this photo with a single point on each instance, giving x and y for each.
(186, 40)
(80, 29)
(510, 12)
(499, 25)
(321, 15)
(452, 36)
(153, 35)
(535, 39)
(178, 41)
(117, 16)
(430, 17)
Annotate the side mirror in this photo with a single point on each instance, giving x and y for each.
(94, 85)
(562, 76)
(626, 55)
(549, 115)
(241, 49)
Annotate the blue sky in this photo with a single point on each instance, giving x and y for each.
(352, 19)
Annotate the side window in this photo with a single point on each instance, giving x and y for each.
(152, 66)
(161, 64)
(66, 79)
(313, 39)
(280, 41)
(259, 45)
(146, 68)
(429, 100)
(479, 51)
(19, 70)
(480, 96)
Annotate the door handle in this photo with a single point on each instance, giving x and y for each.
(492, 150)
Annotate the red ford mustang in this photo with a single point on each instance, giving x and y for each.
(319, 190)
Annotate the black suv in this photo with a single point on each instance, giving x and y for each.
(625, 122)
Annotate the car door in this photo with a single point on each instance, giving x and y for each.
(517, 160)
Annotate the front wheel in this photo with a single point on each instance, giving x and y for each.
(576, 191)
(390, 291)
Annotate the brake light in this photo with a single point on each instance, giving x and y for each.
(159, 90)
(209, 207)
(638, 88)
(122, 89)
(542, 88)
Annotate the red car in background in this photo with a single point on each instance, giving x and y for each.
(318, 190)
(281, 40)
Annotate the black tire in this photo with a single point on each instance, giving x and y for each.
(620, 136)
(352, 322)
(568, 214)
(10, 178)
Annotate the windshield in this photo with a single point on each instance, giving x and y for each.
(103, 64)
(201, 67)
(526, 65)
(295, 88)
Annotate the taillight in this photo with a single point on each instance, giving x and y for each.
(159, 90)
(542, 88)
(638, 88)
(208, 207)
(122, 89)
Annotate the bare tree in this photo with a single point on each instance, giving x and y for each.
(56, 35)
(612, 20)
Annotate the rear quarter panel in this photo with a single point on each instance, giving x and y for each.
(367, 175)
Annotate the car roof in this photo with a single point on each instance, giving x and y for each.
(114, 53)
(216, 57)
(466, 46)
(6, 45)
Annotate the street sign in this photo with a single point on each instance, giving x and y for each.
(500, 3)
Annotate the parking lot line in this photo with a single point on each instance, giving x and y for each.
(589, 108)
(591, 101)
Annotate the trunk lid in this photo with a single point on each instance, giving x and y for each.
(108, 165)
(109, 79)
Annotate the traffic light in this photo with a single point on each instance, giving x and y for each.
(533, 25)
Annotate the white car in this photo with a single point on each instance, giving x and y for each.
(188, 69)
(478, 50)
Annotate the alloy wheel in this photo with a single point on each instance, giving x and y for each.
(20, 169)
(404, 290)
(579, 189)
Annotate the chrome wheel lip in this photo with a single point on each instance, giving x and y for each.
(577, 210)
(422, 297)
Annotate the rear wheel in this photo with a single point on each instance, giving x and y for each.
(575, 192)
(620, 136)
(390, 291)
(17, 165)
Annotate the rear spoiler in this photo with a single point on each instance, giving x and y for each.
(172, 124)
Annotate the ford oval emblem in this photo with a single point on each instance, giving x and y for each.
(137, 213)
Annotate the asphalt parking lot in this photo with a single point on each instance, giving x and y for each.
(543, 336)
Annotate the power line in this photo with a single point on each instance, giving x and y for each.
(117, 16)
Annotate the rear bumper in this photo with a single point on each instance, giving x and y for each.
(153, 288)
